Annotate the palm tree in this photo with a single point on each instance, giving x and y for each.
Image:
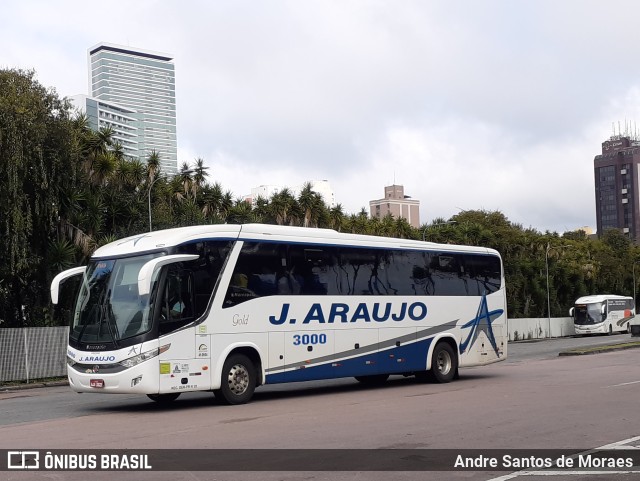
(105, 136)
(336, 217)
(137, 173)
(211, 201)
(318, 210)
(104, 167)
(306, 201)
(226, 203)
(388, 225)
(185, 178)
(118, 151)
(61, 255)
(240, 213)
(281, 204)
(403, 229)
(262, 212)
(199, 176)
(153, 165)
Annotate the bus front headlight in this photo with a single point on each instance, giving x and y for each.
(145, 356)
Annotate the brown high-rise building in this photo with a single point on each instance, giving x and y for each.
(397, 204)
(617, 174)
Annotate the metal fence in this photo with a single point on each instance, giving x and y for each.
(33, 353)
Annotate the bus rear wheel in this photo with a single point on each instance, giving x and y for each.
(238, 380)
(444, 363)
(164, 398)
(373, 380)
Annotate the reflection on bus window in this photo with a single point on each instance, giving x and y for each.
(267, 269)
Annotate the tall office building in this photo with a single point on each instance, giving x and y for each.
(397, 204)
(143, 82)
(617, 175)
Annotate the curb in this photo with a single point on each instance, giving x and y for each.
(33, 385)
(581, 351)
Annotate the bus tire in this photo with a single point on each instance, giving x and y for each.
(372, 380)
(238, 380)
(164, 398)
(628, 328)
(444, 363)
(610, 330)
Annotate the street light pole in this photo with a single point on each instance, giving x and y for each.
(150, 187)
(546, 262)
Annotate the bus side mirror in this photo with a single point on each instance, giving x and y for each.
(60, 278)
(147, 272)
(603, 310)
(571, 311)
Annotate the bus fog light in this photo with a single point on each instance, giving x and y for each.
(136, 380)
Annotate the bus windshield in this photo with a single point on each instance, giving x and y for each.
(588, 314)
(108, 308)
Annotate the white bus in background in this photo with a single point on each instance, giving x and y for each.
(227, 308)
(603, 314)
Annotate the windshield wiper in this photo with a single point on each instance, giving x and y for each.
(110, 321)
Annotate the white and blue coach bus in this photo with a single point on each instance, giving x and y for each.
(227, 308)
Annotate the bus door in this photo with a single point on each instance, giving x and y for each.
(184, 365)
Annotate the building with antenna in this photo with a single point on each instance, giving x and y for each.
(617, 175)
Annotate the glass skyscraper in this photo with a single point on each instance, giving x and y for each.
(143, 81)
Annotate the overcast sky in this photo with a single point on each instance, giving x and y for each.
(496, 105)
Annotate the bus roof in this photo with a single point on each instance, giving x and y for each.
(161, 239)
(599, 298)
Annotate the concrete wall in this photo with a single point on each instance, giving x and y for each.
(523, 329)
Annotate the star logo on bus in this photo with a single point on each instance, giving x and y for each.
(481, 323)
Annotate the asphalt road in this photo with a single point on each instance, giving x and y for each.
(534, 400)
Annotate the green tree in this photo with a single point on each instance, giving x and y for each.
(37, 164)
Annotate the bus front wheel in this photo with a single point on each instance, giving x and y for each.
(238, 380)
(444, 363)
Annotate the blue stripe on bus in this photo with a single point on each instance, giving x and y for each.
(398, 360)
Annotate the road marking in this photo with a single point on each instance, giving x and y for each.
(620, 445)
(559, 473)
(625, 384)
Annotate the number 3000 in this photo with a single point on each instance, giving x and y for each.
(306, 339)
